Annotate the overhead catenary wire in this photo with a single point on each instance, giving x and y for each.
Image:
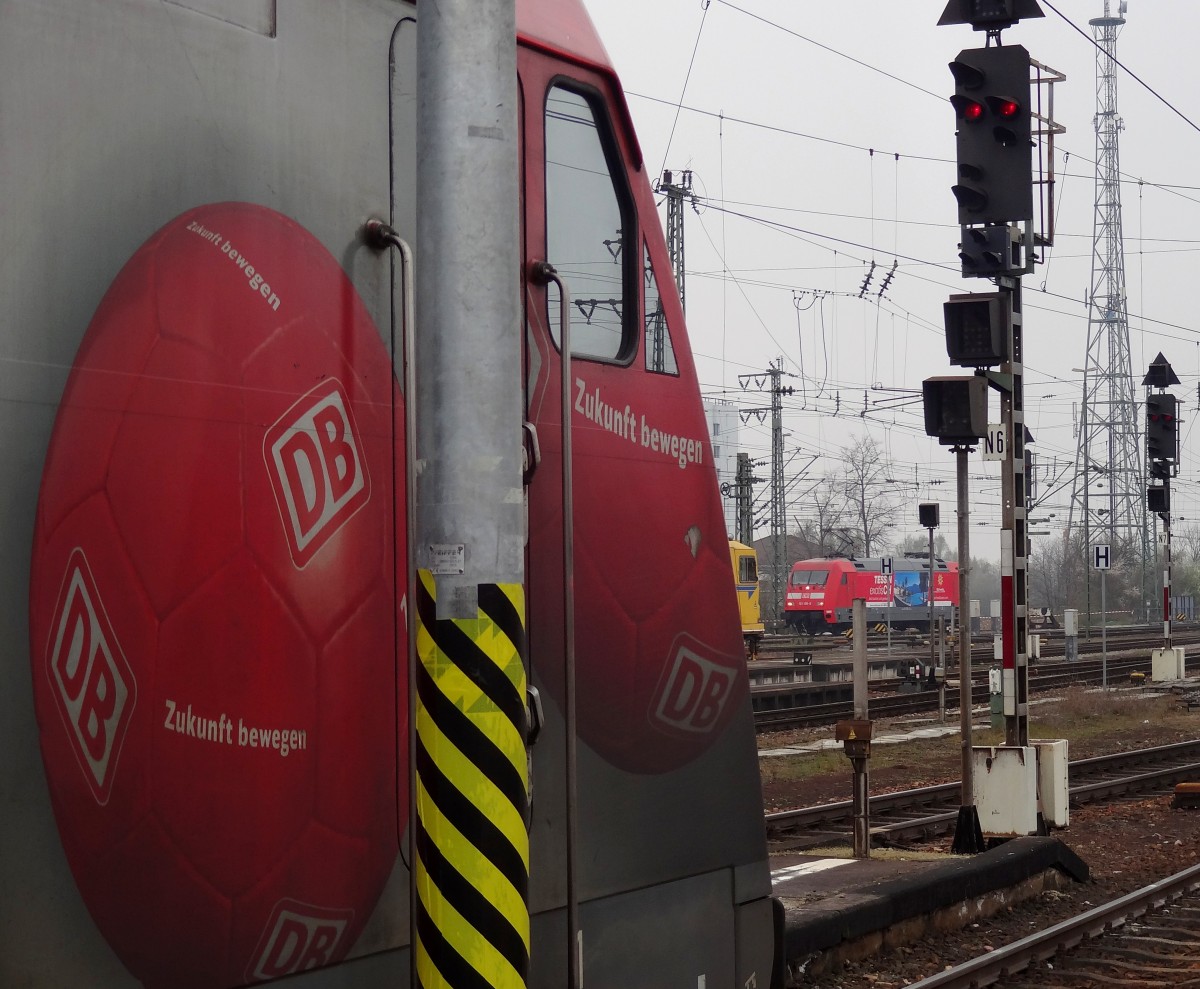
(686, 78)
(912, 264)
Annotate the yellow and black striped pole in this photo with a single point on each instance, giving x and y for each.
(469, 824)
(472, 842)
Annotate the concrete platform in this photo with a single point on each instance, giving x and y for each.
(925, 730)
(837, 909)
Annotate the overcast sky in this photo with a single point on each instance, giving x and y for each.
(783, 102)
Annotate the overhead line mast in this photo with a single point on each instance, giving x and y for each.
(1108, 494)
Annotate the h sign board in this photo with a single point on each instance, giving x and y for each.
(993, 443)
(885, 565)
(1101, 560)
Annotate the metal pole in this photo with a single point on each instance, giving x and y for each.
(942, 666)
(1167, 573)
(381, 236)
(862, 822)
(929, 593)
(964, 633)
(859, 624)
(1014, 538)
(469, 492)
(862, 803)
(1103, 629)
(890, 606)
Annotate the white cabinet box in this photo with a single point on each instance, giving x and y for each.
(1005, 781)
(1054, 797)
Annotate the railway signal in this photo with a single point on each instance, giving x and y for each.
(956, 409)
(986, 252)
(989, 15)
(977, 328)
(994, 193)
(994, 137)
(1162, 433)
(1158, 499)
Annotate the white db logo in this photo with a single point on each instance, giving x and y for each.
(298, 937)
(317, 468)
(694, 691)
(94, 686)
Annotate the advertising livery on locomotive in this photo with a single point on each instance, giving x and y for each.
(204, 695)
(820, 593)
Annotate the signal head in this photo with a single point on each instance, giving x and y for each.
(977, 328)
(967, 108)
(989, 15)
(1162, 433)
(994, 136)
(956, 409)
(1004, 108)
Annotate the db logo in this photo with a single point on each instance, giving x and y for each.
(694, 691)
(298, 937)
(317, 468)
(93, 684)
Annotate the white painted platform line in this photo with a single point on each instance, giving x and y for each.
(807, 868)
(825, 744)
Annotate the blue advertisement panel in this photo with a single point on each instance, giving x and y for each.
(912, 589)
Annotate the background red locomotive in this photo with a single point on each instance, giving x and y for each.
(821, 592)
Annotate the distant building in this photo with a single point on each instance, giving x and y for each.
(723, 427)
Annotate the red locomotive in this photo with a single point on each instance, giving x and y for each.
(211, 775)
(821, 592)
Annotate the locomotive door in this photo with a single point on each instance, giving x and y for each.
(657, 642)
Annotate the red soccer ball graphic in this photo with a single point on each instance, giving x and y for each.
(659, 659)
(213, 607)
(658, 651)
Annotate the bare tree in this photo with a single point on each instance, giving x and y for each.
(868, 494)
(915, 543)
(822, 528)
(1185, 543)
(1054, 575)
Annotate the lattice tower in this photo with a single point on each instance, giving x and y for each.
(1109, 495)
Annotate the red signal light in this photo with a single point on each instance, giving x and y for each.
(1007, 108)
(972, 110)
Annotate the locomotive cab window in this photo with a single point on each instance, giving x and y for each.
(588, 220)
(747, 571)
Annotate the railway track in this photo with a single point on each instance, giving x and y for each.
(1053, 643)
(895, 705)
(1147, 938)
(910, 815)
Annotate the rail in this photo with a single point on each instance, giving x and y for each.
(884, 706)
(918, 808)
(1099, 922)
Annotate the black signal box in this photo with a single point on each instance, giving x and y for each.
(994, 136)
(1158, 499)
(977, 328)
(956, 409)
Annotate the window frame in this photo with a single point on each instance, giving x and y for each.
(631, 288)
